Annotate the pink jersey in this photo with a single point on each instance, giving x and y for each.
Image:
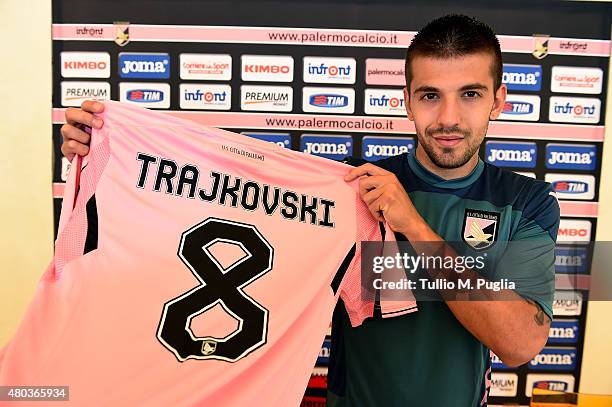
(197, 267)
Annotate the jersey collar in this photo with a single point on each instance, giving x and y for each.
(436, 181)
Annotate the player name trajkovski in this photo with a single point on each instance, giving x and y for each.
(226, 189)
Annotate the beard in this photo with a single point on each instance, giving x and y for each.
(447, 157)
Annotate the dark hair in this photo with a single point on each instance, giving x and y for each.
(455, 35)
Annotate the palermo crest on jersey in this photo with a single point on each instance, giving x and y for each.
(480, 228)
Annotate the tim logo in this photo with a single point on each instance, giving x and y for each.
(570, 187)
(333, 147)
(550, 385)
(519, 155)
(328, 100)
(145, 95)
(513, 107)
(150, 66)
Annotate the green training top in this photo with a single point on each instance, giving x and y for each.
(427, 358)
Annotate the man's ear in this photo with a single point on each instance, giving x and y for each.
(407, 104)
(498, 102)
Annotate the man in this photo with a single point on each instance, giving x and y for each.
(439, 356)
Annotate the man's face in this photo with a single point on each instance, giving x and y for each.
(451, 102)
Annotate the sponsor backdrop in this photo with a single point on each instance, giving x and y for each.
(335, 89)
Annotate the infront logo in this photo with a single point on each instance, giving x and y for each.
(574, 110)
(209, 97)
(384, 102)
(329, 70)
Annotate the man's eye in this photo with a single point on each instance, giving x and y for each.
(472, 94)
(429, 96)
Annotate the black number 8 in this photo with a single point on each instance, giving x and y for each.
(219, 285)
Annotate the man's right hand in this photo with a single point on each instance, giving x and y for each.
(76, 139)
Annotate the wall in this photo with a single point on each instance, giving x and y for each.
(26, 212)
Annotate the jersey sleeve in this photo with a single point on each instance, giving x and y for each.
(529, 261)
(78, 231)
(358, 299)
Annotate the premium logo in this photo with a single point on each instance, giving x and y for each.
(267, 68)
(266, 98)
(212, 67)
(574, 231)
(563, 331)
(385, 102)
(521, 107)
(571, 157)
(572, 186)
(517, 154)
(328, 100)
(503, 384)
(375, 148)
(85, 64)
(332, 147)
(570, 79)
(522, 77)
(329, 70)
(571, 259)
(567, 303)
(280, 139)
(554, 359)
(382, 71)
(147, 66)
(323, 358)
(150, 95)
(574, 110)
(554, 382)
(75, 93)
(208, 97)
